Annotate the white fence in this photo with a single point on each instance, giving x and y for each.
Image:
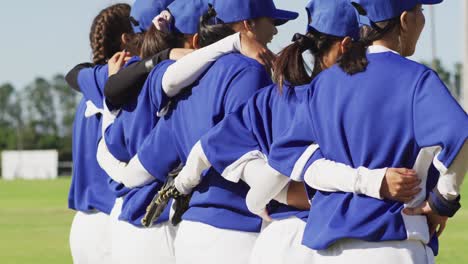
(30, 164)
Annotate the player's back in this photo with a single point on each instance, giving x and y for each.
(228, 84)
(373, 119)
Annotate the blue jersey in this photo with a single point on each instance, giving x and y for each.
(135, 120)
(253, 128)
(89, 187)
(391, 115)
(124, 137)
(226, 85)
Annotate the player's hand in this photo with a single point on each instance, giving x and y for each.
(436, 222)
(257, 51)
(400, 184)
(118, 61)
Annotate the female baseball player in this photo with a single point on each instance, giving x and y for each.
(218, 224)
(131, 243)
(382, 116)
(135, 121)
(89, 194)
(111, 35)
(248, 133)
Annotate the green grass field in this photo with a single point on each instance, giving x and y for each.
(35, 223)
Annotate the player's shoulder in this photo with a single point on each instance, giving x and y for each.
(163, 65)
(398, 62)
(239, 61)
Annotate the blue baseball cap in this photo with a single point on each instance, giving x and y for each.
(230, 11)
(382, 10)
(143, 12)
(333, 17)
(187, 14)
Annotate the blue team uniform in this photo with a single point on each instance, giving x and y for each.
(224, 87)
(356, 122)
(125, 136)
(89, 187)
(138, 117)
(253, 128)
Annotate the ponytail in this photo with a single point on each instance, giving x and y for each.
(290, 64)
(156, 41)
(355, 59)
(212, 29)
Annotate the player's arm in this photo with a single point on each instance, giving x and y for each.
(156, 158)
(158, 154)
(127, 83)
(89, 79)
(196, 63)
(72, 76)
(226, 147)
(111, 165)
(296, 154)
(443, 130)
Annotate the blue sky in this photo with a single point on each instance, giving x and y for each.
(43, 38)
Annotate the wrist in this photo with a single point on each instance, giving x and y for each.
(442, 206)
(369, 182)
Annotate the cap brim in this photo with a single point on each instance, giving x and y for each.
(430, 2)
(282, 16)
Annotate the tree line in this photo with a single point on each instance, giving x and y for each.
(40, 116)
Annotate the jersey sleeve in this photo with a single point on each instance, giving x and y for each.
(158, 97)
(294, 149)
(91, 82)
(158, 153)
(438, 119)
(115, 141)
(72, 75)
(244, 85)
(231, 142)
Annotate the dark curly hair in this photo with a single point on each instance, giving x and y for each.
(106, 31)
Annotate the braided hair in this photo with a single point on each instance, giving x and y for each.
(106, 32)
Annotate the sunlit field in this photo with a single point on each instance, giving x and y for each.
(35, 223)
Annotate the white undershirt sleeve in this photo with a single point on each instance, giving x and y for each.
(108, 117)
(330, 176)
(452, 178)
(136, 175)
(265, 184)
(282, 196)
(189, 68)
(190, 176)
(112, 166)
(131, 175)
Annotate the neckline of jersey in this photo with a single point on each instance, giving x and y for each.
(379, 49)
